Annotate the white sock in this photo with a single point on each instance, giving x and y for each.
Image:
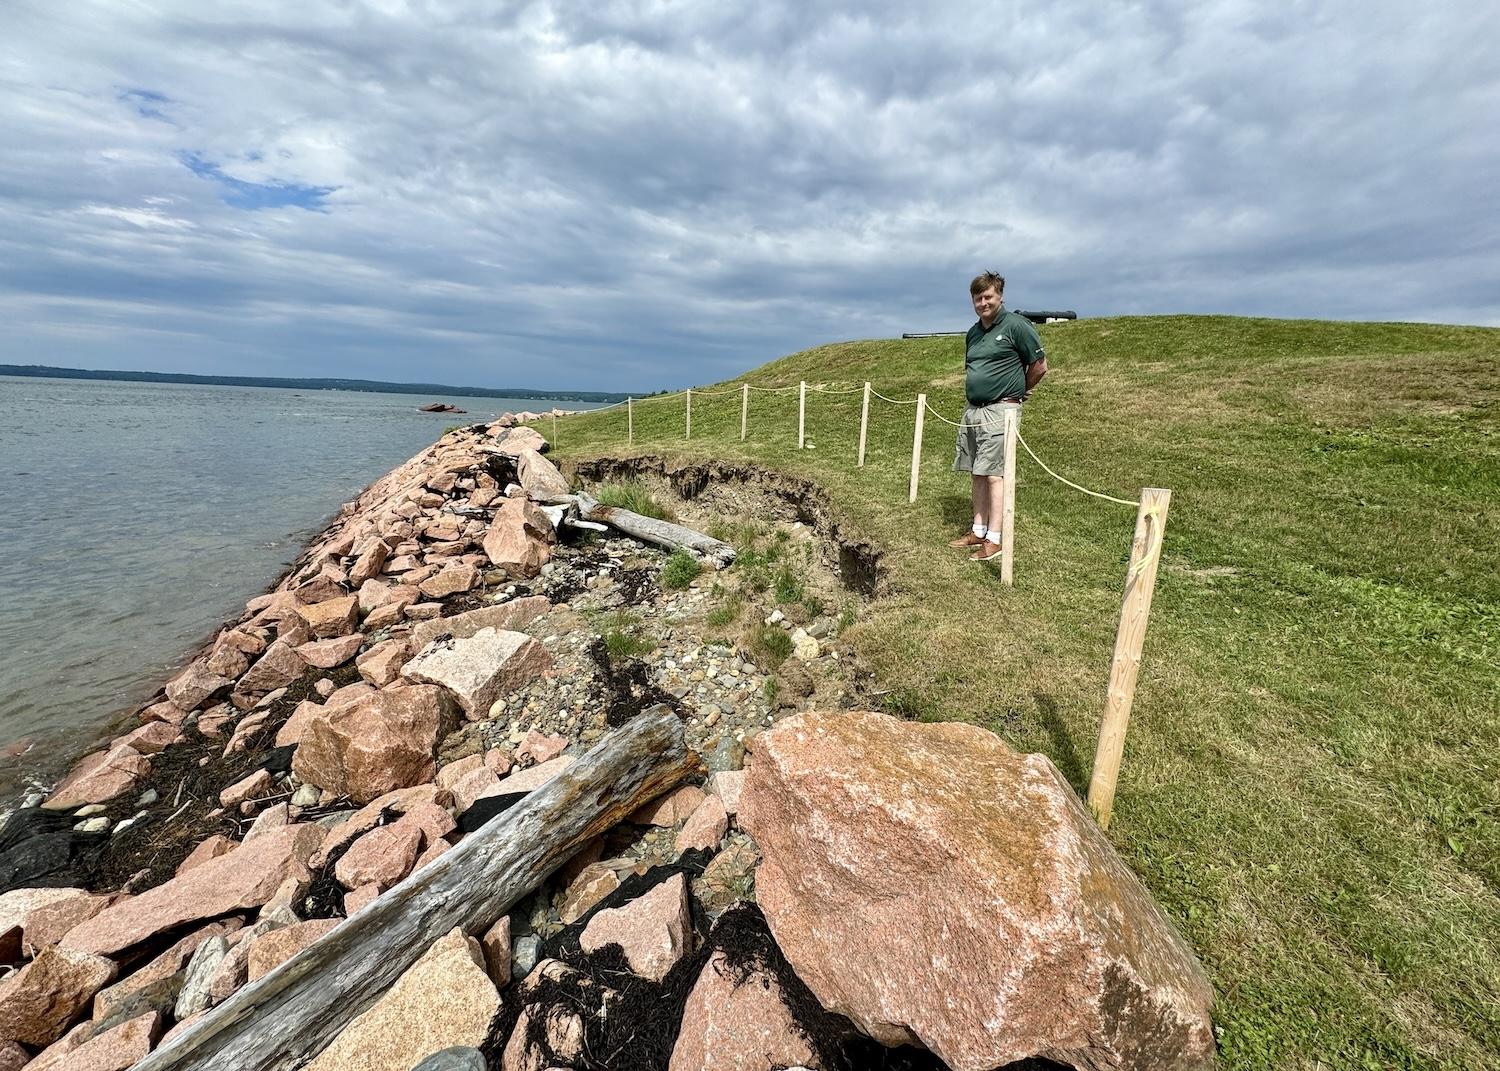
(993, 535)
(979, 530)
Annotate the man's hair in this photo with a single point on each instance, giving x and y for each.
(984, 280)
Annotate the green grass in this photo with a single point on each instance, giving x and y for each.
(768, 645)
(635, 497)
(1310, 781)
(680, 570)
(624, 635)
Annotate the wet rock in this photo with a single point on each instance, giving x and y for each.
(481, 668)
(519, 539)
(734, 1023)
(168, 712)
(246, 877)
(876, 854)
(376, 743)
(326, 654)
(40, 1001)
(654, 930)
(442, 1000)
(99, 777)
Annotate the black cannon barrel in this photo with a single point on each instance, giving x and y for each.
(1034, 317)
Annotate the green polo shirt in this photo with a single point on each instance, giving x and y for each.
(995, 361)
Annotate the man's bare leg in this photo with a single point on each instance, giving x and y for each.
(979, 492)
(995, 500)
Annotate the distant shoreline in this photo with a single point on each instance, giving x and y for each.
(40, 371)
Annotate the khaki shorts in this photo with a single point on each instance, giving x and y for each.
(981, 450)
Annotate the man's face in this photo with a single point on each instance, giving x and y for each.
(986, 304)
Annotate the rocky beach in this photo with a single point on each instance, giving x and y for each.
(347, 777)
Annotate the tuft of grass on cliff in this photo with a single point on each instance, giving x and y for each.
(1310, 781)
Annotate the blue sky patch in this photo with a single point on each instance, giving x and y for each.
(146, 103)
(237, 193)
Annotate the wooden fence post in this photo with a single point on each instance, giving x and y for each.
(744, 409)
(1140, 582)
(864, 423)
(689, 413)
(1008, 500)
(916, 446)
(630, 420)
(802, 415)
(554, 429)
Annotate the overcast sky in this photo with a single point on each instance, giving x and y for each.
(644, 195)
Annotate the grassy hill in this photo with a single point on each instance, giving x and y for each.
(1310, 783)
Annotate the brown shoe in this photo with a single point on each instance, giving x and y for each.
(986, 552)
(969, 540)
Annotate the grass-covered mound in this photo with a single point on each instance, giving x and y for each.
(1310, 782)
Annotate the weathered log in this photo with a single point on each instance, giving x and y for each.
(284, 1019)
(651, 530)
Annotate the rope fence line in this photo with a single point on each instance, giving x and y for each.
(1140, 576)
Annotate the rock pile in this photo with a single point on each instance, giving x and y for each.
(439, 650)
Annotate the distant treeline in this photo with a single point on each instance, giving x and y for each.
(42, 371)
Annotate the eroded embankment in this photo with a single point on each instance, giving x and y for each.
(728, 489)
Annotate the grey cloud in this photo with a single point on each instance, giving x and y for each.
(631, 196)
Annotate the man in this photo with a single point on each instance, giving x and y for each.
(1003, 362)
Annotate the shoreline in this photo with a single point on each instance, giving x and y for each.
(451, 679)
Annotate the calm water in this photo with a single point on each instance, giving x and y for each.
(135, 518)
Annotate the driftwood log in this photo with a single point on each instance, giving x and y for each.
(284, 1019)
(651, 530)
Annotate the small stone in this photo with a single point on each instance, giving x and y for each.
(455, 1058)
(523, 955)
(93, 825)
